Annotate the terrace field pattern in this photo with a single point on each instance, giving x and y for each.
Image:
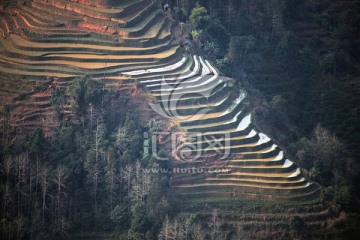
(49, 43)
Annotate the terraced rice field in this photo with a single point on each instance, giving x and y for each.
(237, 164)
(250, 153)
(52, 42)
(222, 159)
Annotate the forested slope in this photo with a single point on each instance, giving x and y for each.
(78, 156)
(300, 62)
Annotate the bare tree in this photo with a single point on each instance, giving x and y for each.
(165, 230)
(122, 138)
(94, 160)
(178, 229)
(135, 193)
(146, 185)
(185, 229)
(137, 183)
(127, 175)
(168, 232)
(59, 180)
(111, 178)
(326, 146)
(138, 171)
(7, 168)
(215, 224)
(64, 226)
(141, 184)
(198, 233)
(22, 165)
(44, 181)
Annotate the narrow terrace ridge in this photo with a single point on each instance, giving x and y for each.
(130, 42)
(252, 162)
(53, 42)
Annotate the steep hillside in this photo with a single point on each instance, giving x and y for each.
(222, 160)
(46, 44)
(219, 158)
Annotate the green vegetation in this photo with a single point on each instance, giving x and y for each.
(87, 178)
(83, 92)
(82, 178)
(199, 17)
(298, 60)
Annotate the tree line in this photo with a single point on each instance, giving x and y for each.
(299, 62)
